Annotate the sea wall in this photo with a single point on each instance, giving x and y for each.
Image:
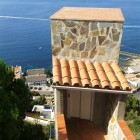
(90, 40)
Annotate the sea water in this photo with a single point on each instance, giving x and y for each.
(25, 37)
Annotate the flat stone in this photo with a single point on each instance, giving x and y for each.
(93, 53)
(114, 30)
(101, 39)
(103, 31)
(106, 42)
(93, 42)
(56, 40)
(107, 30)
(119, 26)
(84, 54)
(95, 33)
(62, 44)
(73, 46)
(116, 36)
(67, 41)
(93, 26)
(84, 28)
(105, 24)
(61, 29)
(88, 42)
(56, 50)
(69, 23)
(74, 31)
(73, 54)
(101, 50)
(62, 36)
(72, 37)
(82, 46)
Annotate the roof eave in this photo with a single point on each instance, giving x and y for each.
(93, 89)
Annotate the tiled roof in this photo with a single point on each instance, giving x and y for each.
(88, 74)
(94, 14)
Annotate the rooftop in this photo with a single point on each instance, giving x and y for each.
(87, 74)
(36, 71)
(94, 14)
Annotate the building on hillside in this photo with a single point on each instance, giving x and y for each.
(89, 86)
(36, 71)
(36, 77)
(17, 71)
(133, 69)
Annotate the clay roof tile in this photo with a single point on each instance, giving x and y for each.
(89, 66)
(74, 73)
(84, 74)
(66, 72)
(98, 66)
(116, 67)
(66, 81)
(56, 71)
(56, 62)
(76, 82)
(81, 64)
(95, 83)
(57, 80)
(107, 67)
(85, 82)
(64, 63)
(73, 64)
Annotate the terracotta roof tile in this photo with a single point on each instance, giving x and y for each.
(88, 74)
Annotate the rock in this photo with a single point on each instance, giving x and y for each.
(93, 53)
(67, 41)
(114, 30)
(84, 54)
(88, 42)
(84, 28)
(93, 26)
(107, 30)
(101, 50)
(74, 31)
(82, 46)
(73, 46)
(69, 23)
(72, 37)
(62, 36)
(116, 36)
(56, 40)
(95, 33)
(101, 39)
(62, 44)
(56, 50)
(105, 24)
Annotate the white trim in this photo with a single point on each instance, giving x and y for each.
(93, 89)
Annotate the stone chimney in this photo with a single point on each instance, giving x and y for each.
(87, 33)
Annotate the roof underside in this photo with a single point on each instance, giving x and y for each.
(95, 75)
(94, 14)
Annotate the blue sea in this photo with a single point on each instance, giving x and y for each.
(25, 37)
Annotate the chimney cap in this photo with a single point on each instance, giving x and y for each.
(89, 14)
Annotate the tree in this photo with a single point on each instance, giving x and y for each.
(14, 99)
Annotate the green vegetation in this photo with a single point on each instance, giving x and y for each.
(132, 115)
(15, 100)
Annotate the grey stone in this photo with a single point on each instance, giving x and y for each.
(88, 42)
(93, 53)
(82, 46)
(71, 36)
(106, 42)
(61, 29)
(114, 30)
(62, 36)
(93, 42)
(116, 36)
(93, 26)
(107, 30)
(73, 46)
(62, 44)
(84, 28)
(119, 26)
(69, 23)
(56, 40)
(74, 31)
(101, 39)
(56, 50)
(105, 24)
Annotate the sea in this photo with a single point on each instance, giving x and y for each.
(25, 37)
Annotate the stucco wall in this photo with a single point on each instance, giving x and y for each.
(86, 40)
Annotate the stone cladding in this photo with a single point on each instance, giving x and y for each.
(86, 40)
